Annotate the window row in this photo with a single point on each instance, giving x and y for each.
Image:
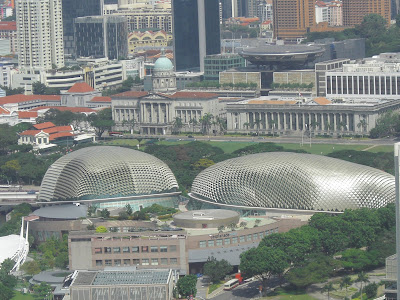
(135, 262)
(235, 239)
(135, 249)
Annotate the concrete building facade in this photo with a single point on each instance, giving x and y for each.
(40, 34)
(293, 18)
(354, 11)
(180, 250)
(314, 117)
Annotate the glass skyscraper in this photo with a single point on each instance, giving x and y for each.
(101, 36)
(196, 32)
(72, 9)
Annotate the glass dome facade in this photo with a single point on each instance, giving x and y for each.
(293, 181)
(106, 172)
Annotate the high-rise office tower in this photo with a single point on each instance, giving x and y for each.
(395, 8)
(72, 9)
(354, 11)
(101, 36)
(196, 32)
(293, 18)
(40, 34)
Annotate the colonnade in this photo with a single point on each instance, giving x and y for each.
(299, 121)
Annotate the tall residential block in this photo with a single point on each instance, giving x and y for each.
(196, 32)
(101, 36)
(293, 18)
(354, 11)
(72, 9)
(40, 34)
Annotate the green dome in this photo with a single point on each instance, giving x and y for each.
(163, 64)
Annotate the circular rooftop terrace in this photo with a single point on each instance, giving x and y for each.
(282, 54)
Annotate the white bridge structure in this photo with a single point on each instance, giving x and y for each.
(15, 247)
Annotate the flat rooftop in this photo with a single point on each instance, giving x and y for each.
(206, 214)
(134, 277)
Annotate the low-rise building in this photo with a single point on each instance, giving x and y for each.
(183, 250)
(217, 63)
(129, 284)
(296, 116)
(140, 39)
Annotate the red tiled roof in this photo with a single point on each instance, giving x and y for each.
(191, 95)
(30, 218)
(44, 125)
(27, 114)
(133, 94)
(24, 98)
(57, 129)
(4, 111)
(65, 108)
(322, 101)
(80, 87)
(30, 132)
(101, 99)
(10, 25)
(60, 134)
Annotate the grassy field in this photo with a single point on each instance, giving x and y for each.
(281, 294)
(231, 146)
(19, 296)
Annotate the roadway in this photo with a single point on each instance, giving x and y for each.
(283, 140)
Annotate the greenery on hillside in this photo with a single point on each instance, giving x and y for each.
(357, 240)
(13, 226)
(7, 281)
(379, 37)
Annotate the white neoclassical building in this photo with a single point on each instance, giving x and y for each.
(156, 112)
(294, 117)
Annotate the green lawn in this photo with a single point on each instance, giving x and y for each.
(121, 142)
(19, 296)
(381, 149)
(282, 294)
(323, 148)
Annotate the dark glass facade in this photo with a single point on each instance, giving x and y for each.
(72, 9)
(187, 32)
(105, 36)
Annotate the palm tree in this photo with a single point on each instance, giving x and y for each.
(257, 122)
(222, 122)
(273, 123)
(328, 126)
(364, 125)
(177, 125)
(247, 124)
(328, 288)
(193, 122)
(342, 125)
(363, 278)
(206, 122)
(345, 283)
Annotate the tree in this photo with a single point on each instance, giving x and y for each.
(101, 229)
(263, 262)
(177, 125)
(105, 213)
(8, 137)
(246, 124)
(42, 290)
(345, 282)
(372, 26)
(31, 267)
(193, 122)
(258, 123)
(101, 121)
(362, 278)
(221, 228)
(363, 125)
(38, 88)
(203, 163)
(10, 169)
(274, 125)
(217, 269)
(371, 290)
(187, 285)
(242, 224)
(328, 288)
(205, 121)
(129, 210)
